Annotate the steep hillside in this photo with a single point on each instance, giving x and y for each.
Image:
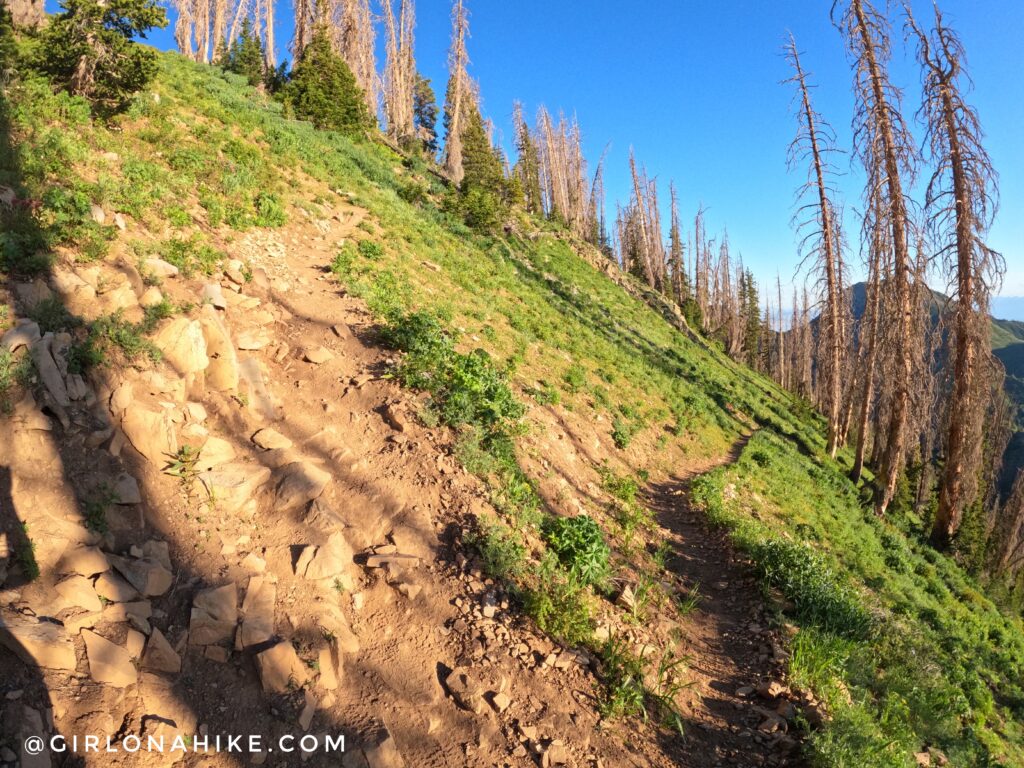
(293, 450)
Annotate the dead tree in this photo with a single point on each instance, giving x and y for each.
(886, 149)
(814, 143)
(458, 93)
(961, 201)
(399, 70)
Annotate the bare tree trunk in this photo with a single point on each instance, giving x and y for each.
(400, 70)
(886, 149)
(458, 92)
(827, 250)
(961, 201)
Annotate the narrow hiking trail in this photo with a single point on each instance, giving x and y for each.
(306, 571)
(738, 660)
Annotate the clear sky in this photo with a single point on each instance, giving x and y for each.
(695, 87)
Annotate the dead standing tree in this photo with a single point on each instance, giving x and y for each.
(886, 149)
(961, 201)
(354, 40)
(458, 93)
(814, 143)
(400, 70)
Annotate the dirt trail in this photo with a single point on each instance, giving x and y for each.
(735, 654)
(409, 651)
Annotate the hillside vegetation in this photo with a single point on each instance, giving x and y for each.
(904, 648)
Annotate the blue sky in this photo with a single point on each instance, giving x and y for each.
(695, 88)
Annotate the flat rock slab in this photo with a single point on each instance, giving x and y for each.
(38, 643)
(108, 663)
(77, 591)
(148, 576)
(232, 485)
(300, 483)
(159, 656)
(214, 616)
(258, 612)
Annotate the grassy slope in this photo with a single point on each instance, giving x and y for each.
(212, 158)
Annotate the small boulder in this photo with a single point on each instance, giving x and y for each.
(112, 587)
(333, 559)
(183, 345)
(222, 372)
(280, 668)
(160, 268)
(85, 561)
(213, 296)
(126, 489)
(270, 439)
(24, 334)
(232, 485)
(317, 355)
(151, 433)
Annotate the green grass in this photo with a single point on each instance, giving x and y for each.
(903, 646)
(899, 641)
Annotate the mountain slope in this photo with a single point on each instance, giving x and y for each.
(341, 277)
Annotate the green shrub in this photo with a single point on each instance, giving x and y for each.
(580, 546)
(559, 604)
(503, 554)
(466, 388)
(324, 91)
(88, 49)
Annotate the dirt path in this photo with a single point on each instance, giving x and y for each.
(734, 653)
(302, 448)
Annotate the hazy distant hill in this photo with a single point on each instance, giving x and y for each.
(1010, 307)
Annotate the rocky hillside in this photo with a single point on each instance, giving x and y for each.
(292, 451)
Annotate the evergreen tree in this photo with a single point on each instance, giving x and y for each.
(89, 50)
(483, 180)
(425, 114)
(752, 318)
(324, 91)
(246, 56)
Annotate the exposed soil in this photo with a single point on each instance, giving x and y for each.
(394, 488)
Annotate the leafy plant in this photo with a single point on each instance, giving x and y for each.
(580, 546)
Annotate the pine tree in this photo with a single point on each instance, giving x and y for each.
(324, 91)
(483, 179)
(425, 115)
(89, 50)
(245, 55)
(528, 163)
